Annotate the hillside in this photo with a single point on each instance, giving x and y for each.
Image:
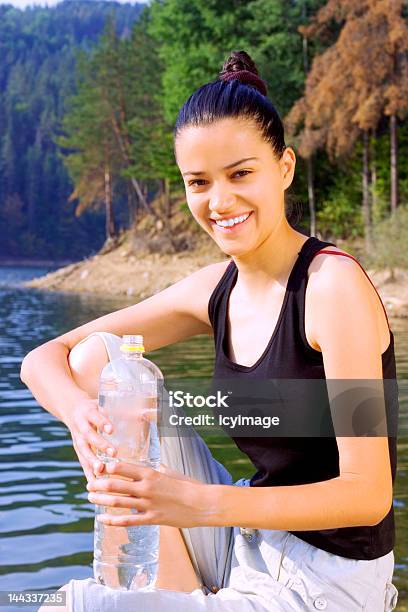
(38, 51)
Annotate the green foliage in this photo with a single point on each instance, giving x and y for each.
(339, 209)
(278, 50)
(381, 149)
(339, 218)
(150, 136)
(390, 238)
(339, 212)
(193, 39)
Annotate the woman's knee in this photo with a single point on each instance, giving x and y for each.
(86, 361)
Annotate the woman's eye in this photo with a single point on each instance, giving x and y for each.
(246, 172)
(196, 181)
(191, 183)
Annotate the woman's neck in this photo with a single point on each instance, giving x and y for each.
(270, 265)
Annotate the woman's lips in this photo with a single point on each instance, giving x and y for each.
(234, 227)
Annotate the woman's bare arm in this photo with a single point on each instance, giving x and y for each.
(176, 313)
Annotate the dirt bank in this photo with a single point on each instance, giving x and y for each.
(125, 271)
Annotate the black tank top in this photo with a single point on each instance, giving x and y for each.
(291, 461)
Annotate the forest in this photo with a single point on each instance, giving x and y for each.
(39, 50)
(91, 90)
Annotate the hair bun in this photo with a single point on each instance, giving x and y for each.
(241, 67)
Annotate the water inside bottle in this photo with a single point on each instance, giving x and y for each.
(133, 418)
(126, 558)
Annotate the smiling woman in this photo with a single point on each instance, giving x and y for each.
(314, 526)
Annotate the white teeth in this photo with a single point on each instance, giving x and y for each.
(231, 222)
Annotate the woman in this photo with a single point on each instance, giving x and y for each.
(313, 528)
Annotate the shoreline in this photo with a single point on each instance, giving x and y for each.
(35, 263)
(121, 272)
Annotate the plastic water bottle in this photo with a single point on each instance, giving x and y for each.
(126, 558)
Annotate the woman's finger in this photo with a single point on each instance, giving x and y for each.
(117, 501)
(100, 421)
(115, 485)
(131, 470)
(84, 430)
(100, 443)
(127, 520)
(87, 454)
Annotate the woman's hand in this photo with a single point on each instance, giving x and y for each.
(159, 499)
(83, 423)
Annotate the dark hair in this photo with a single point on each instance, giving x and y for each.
(238, 92)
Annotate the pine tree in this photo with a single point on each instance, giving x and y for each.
(90, 150)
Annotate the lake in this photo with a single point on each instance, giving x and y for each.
(46, 521)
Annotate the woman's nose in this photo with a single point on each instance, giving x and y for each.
(222, 205)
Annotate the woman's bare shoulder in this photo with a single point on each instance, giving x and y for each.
(319, 260)
(337, 278)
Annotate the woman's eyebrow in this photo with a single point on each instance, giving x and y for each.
(225, 167)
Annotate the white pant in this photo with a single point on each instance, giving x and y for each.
(262, 571)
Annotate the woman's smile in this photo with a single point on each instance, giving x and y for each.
(231, 224)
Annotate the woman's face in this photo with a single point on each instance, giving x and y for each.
(238, 204)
